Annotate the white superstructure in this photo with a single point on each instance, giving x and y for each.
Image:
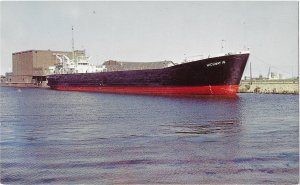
(80, 64)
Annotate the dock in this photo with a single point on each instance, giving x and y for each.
(288, 86)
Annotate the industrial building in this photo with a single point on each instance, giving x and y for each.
(31, 67)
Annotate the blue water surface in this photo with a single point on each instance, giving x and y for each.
(61, 137)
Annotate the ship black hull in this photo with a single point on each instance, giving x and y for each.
(219, 75)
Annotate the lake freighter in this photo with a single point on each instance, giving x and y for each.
(218, 75)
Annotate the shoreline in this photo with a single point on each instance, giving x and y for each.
(24, 85)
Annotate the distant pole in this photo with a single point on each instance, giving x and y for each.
(73, 43)
(250, 74)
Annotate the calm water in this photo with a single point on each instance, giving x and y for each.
(61, 137)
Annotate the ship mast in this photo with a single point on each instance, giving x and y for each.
(73, 44)
(222, 45)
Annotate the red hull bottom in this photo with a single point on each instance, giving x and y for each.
(185, 91)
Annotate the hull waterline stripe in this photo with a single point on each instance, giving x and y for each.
(196, 90)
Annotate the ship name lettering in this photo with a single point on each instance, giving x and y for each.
(215, 64)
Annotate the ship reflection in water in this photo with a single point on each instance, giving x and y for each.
(209, 128)
(91, 138)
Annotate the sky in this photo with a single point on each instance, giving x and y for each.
(156, 31)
